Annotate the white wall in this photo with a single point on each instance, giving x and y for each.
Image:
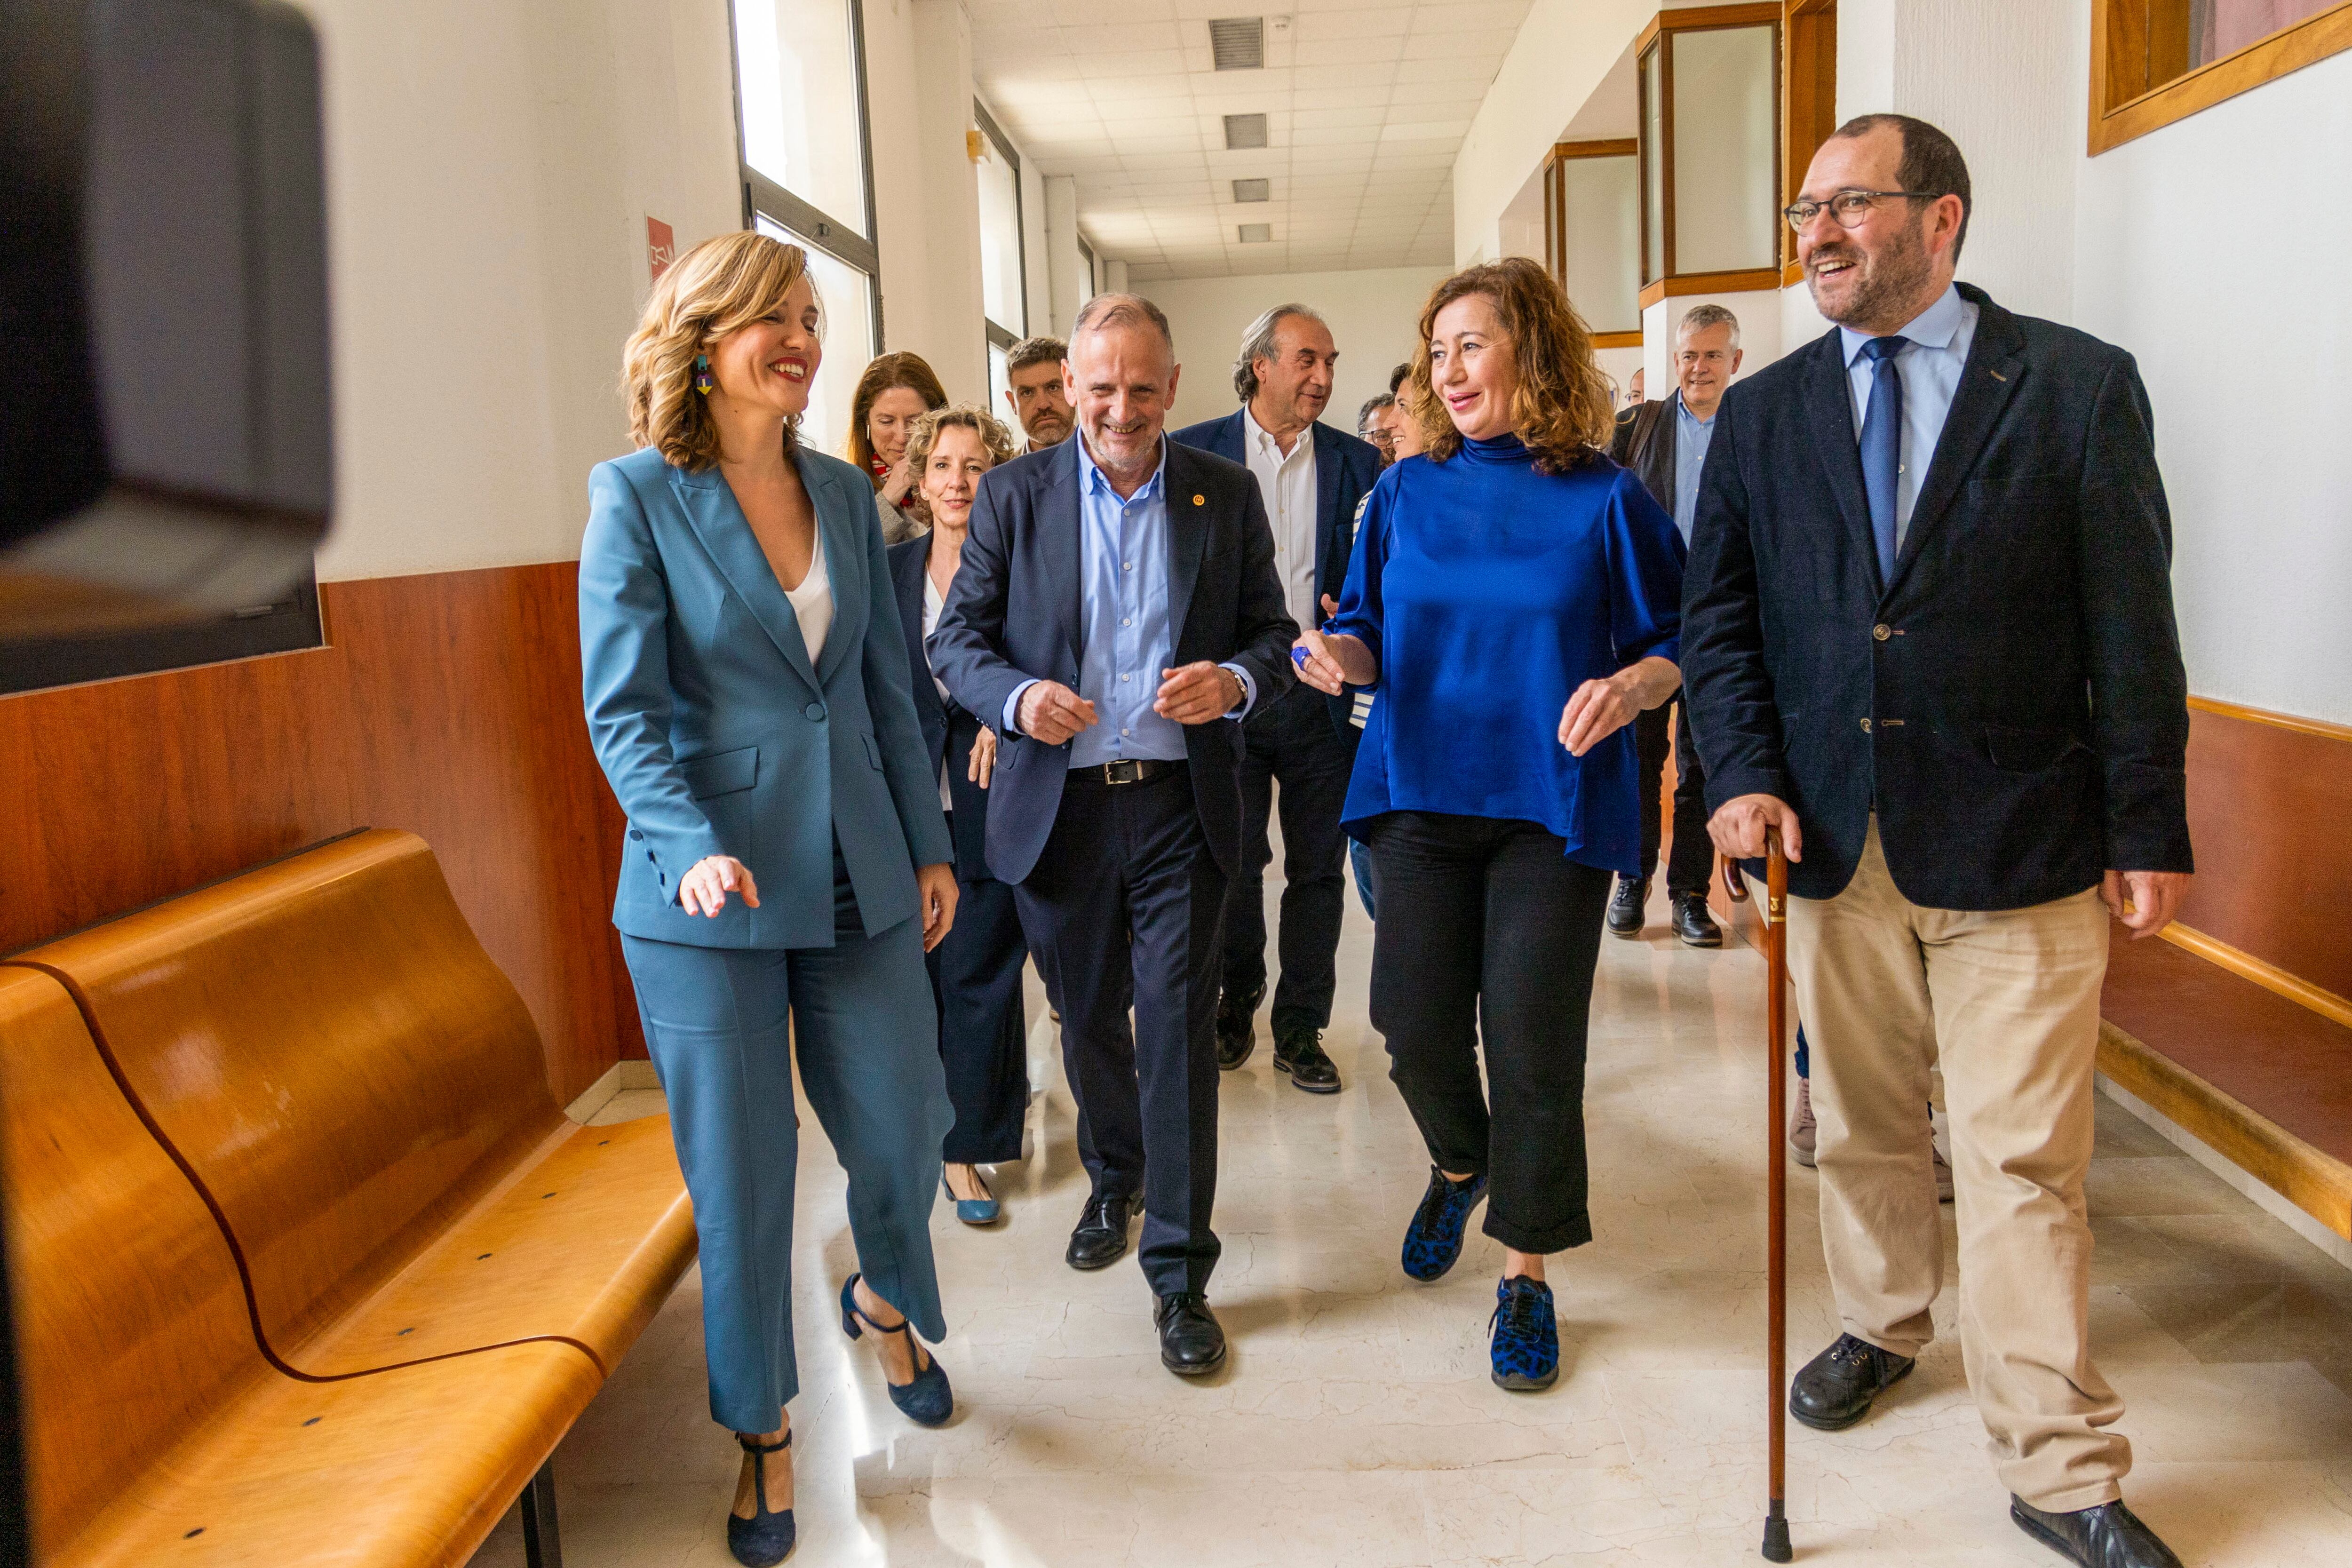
(490, 165)
(1373, 314)
(1759, 312)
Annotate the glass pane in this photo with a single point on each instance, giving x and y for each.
(797, 78)
(1000, 385)
(1000, 239)
(1601, 230)
(845, 297)
(1726, 110)
(1654, 167)
(2220, 27)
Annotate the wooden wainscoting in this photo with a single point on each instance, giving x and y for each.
(446, 704)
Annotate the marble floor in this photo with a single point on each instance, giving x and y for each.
(1354, 1425)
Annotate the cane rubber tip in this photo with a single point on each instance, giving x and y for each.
(1776, 1542)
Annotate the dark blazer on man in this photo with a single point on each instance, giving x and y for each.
(2012, 703)
(1012, 616)
(1345, 470)
(1645, 442)
(949, 730)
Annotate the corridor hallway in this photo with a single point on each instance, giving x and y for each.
(1355, 1427)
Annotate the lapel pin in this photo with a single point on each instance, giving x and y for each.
(1200, 500)
(1996, 375)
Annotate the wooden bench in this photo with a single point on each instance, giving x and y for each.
(303, 1105)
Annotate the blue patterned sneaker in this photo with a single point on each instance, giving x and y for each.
(1526, 1335)
(1434, 1241)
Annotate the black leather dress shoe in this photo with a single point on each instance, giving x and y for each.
(1237, 1027)
(1694, 923)
(2107, 1536)
(1838, 1386)
(1192, 1341)
(1299, 1052)
(1625, 911)
(1100, 1238)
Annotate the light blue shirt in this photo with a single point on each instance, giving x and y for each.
(1691, 435)
(1125, 636)
(1930, 368)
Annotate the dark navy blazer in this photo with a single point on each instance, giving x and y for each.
(1345, 470)
(950, 730)
(2012, 702)
(1012, 615)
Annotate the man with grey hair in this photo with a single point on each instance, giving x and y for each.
(1372, 425)
(1311, 479)
(1033, 386)
(1117, 613)
(1664, 443)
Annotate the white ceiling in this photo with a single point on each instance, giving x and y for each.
(1365, 107)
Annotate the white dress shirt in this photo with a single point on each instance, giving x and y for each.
(1930, 368)
(1287, 485)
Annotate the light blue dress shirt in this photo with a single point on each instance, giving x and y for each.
(1126, 638)
(1691, 435)
(1930, 369)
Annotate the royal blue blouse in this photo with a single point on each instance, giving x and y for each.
(1489, 593)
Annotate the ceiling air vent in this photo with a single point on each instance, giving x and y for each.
(1257, 233)
(1252, 190)
(1244, 131)
(1238, 43)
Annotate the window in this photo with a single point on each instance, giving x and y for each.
(808, 179)
(1709, 80)
(1592, 235)
(1003, 272)
(2156, 61)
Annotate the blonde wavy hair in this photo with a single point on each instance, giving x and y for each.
(971, 417)
(1562, 409)
(716, 288)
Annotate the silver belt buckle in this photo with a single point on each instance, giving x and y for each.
(1124, 771)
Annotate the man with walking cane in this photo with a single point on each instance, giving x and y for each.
(1928, 636)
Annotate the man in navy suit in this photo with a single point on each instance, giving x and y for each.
(1928, 635)
(1118, 615)
(1311, 479)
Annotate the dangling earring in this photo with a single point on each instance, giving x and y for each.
(702, 382)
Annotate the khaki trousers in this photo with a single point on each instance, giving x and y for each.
(2009, 1000)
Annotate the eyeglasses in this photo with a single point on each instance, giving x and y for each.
(1848, 209)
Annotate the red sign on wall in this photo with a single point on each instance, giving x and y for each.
(661, 246)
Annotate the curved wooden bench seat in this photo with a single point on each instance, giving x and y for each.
(156, 1430)
(360, 1095)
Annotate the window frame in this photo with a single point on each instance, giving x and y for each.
(1659, 36)
(2124, 108)
(1555, 210)
(1808, 114)
(994, 331)
(762, 197)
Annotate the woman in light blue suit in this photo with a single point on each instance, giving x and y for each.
(747, 689)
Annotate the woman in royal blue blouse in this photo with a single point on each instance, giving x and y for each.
(1515, 600)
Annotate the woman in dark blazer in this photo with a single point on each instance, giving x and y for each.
(786, 865)
(976, 972)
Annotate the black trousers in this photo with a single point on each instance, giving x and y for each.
(1488, 928)
(1292, 743)
(1123, 909)
(1693, 861)
(983, 1028)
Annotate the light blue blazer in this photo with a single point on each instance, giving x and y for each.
(717, 734)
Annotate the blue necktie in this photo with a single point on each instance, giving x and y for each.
(1882, 446)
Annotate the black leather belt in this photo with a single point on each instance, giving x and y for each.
(1144, 771)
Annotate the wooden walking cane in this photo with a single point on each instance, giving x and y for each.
(1776, 1190)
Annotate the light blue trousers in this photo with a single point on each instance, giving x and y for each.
(715, 1021)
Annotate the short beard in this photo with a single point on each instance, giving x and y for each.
(1886, 284)
(1049, 431)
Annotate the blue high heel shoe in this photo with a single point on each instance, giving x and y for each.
(974, 1210)
(928, 1401)
(765, 1539)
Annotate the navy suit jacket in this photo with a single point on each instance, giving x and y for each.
(717, 733)
(949, 728)
(1014, 615)
(2012, 702)
(1345, 470)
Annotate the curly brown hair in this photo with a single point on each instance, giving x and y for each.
(911, 371)
(716, 287)
(1562, 409)
(993, 436)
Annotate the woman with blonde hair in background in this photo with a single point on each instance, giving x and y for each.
(786, 865)
(893, 392)
(976, 973)
(1515, 597)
